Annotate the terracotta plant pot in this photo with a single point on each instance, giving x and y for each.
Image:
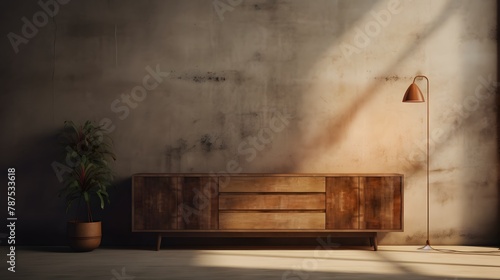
(84, 236)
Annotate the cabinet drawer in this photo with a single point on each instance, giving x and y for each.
(272, 184)
(272, 201)
(280, 221)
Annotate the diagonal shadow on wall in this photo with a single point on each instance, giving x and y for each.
(334, 130)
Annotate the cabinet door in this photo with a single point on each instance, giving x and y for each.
(198, 203)
(381, 203)
(342, 202)
(154, 203)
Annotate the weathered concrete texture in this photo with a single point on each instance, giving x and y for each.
(277, 86)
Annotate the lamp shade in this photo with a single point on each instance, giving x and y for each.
(413, 94)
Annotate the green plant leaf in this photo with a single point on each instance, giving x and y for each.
(88, 144)
(101, 199)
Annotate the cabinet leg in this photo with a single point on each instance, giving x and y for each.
(158, 242)
(373, 242)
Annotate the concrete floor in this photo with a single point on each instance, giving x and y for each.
(390, 262)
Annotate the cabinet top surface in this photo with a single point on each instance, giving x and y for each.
(268, 174)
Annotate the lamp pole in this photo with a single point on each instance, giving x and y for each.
(427, 244)
(414, 95)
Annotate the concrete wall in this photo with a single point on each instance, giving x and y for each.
(272, 86)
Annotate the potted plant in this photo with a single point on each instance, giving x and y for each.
(89, 151)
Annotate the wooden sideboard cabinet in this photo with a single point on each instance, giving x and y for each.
(263, 205)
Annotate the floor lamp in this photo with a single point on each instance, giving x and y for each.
(414, 95)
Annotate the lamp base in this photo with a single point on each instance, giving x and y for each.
(427, 247)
